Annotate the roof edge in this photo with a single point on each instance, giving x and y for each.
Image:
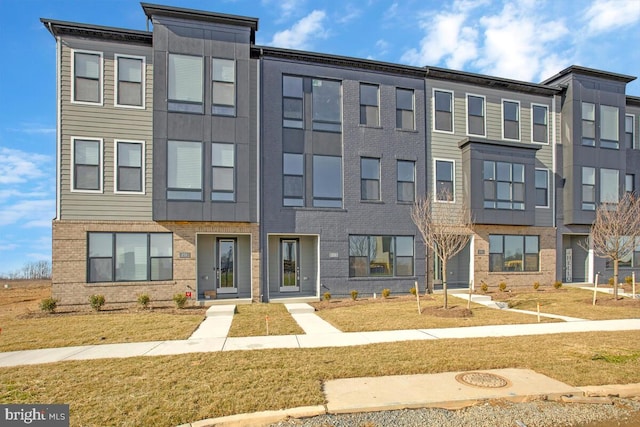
(200, 15)
(57, 28)
(592, 72)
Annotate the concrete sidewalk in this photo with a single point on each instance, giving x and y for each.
(333, 339)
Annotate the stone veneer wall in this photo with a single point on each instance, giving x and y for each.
(69, 262)
(546, 274)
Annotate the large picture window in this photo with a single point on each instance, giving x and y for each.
(380, 256)
(327, 181)
(87, 77)
(509, 253)
(223, 87)
(129, 257)
(632, 260)
(129, 81)
(185, 76)
(184, 170)
(503, 185)
(609, 134)
(609, 185)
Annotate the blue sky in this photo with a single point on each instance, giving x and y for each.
(526, 40)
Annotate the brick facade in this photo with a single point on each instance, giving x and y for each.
(69, 275)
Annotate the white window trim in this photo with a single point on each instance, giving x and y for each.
(502, 101)
(115, 165)
(116, 57)
(73, 76)
(435, 180)
(73, 162)
(634, 138)
(546, 107)
(453, 109)
(466, 109)
(548, 206)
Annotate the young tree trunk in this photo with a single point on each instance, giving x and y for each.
(428, 283)
(444, 282)
(615, 279)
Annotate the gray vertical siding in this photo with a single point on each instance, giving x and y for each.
(108, 123)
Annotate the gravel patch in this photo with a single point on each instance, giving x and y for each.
(624, 412)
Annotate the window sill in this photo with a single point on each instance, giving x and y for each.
(523, 273)
(313, 208)
(406, 130)
(369, 126)
(363, 278)
(375, 202)
(137, 283)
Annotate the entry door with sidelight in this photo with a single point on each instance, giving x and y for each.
(289, 265)
(225, 270)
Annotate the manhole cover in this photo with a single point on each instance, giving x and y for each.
(482, 379)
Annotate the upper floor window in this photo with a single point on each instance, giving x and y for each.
(443, 110)
(404, 109)
(503, 185)
(629, 134)
(444, 187)
(511, 120)
(292, 102)
(222, 172)
(223, 86)
(129, 81)
(609, 125)
(475, 115)
(509, 253)
(184, 170)
(327, 105)
(129, 257)
(539, 132)
(87, 165)
(406, 181)
(369, 105)
(130, 166)
(369, 178)
(185, 76)
(629, 183)
(542, 188)
(293, 179)
(327, 181)
(589, 124)
(609, 186)
(588, 188)
(87, 77)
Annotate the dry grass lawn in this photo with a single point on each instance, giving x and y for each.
(571, 302)
(251, 320)
(25, 327)
(168, 391)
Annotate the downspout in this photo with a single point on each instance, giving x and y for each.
(58, 124)
(263, 277)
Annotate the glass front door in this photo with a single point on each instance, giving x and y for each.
(226, 282)
(289, 268)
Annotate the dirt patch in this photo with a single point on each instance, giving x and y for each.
(22, 296)
(609, 301)
(349, 302)
(454, 311)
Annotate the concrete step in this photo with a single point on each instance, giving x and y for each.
(299, 308)
(221, 310)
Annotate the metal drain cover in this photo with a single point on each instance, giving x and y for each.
(482, 379)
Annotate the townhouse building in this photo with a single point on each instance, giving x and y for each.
(191, 160)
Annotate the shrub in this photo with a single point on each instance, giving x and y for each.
(180, 300)
(413, 291)
(502, 286)
(327, 296)
(386, 292)
(628, 280)
(484, 287)
(611, 281)
(48, 305)
(557, 284)
(96, 301)
(354, 295)
(144, 300)
(536, 285)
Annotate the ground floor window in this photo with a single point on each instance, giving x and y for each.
(129, 257)
(379, 256)
(632, 260)
(510, 253)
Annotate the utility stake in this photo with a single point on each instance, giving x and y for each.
(633, 285)
(266, 318)
(538, 311)
(418, 297)
(595, 289)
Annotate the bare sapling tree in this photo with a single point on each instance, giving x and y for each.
(615, 232)
(445, 228)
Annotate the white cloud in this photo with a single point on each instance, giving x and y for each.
(349, 14)
(300, 34)
(33, 129)
(7, 246)
(34, 212)
(39, 256)
(383, 47)
(17, 166)
(609, 15)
